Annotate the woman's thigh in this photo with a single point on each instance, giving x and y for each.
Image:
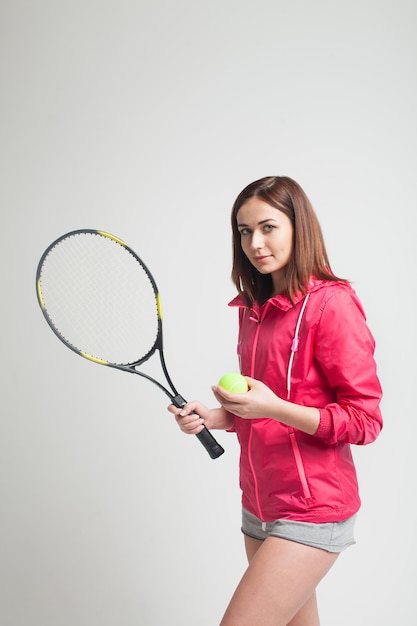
(281, 577)
(251, 546)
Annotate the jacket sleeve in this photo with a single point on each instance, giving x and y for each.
(345, 350)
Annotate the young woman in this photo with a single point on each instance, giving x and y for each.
(307, 354)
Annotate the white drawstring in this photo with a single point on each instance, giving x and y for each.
(294, 345)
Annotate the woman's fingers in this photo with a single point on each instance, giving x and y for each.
(187, 418)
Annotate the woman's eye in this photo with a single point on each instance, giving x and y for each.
(268, 227)
(244, 231)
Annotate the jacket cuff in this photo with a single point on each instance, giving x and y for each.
(325, 425)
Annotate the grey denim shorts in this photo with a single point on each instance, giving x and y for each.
(331, 536)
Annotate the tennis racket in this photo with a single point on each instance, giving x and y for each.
(103, 303)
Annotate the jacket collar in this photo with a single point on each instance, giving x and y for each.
(281, 301)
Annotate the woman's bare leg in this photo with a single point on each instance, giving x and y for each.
(251, 546)
(278, 588)
(308, 615)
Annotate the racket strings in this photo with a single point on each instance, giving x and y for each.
(99, 298)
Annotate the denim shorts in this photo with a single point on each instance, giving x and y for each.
(331, 536)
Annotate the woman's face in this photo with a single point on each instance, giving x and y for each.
(266, 238)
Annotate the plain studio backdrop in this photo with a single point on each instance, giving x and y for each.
(145, 118)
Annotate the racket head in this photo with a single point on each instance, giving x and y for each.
(102, 302)
(99, 298)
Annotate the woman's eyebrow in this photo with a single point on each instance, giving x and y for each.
(268, 219)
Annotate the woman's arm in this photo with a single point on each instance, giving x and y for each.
(345, 350)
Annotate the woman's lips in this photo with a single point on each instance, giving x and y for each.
(262, 259)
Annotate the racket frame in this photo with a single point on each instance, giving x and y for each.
(205, 437)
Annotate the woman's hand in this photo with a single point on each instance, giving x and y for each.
(258, 402)
(191, 418)
(194, 416)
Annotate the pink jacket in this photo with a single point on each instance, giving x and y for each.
(317, 353)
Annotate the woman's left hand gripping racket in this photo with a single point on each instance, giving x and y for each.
(102, 302)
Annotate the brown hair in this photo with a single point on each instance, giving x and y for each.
(309, 256)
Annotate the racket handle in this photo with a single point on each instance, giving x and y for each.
(204, 436)
(213, 448)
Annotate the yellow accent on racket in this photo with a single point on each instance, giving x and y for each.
(159, 306)
(116, 239)
(40, 294)
(93, 358)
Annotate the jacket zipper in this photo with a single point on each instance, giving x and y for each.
(257, 321)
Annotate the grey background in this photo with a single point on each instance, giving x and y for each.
(145, 119)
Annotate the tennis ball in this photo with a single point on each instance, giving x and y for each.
(235, 383)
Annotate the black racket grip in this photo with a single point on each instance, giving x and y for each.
(213, 448)
(204, 436)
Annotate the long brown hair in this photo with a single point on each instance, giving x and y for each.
(309, 256)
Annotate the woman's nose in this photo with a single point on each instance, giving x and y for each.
(257, 240)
